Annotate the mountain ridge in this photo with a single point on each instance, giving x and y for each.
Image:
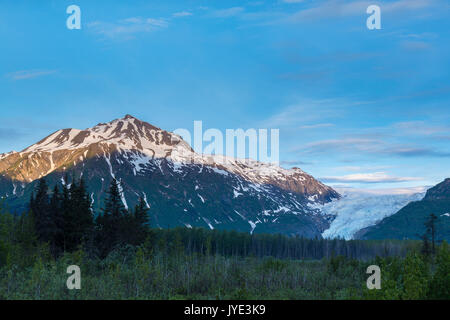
(408, 222)
(161, 167)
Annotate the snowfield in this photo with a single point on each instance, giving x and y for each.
(358, 209)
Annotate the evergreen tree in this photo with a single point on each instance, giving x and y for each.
(58, 218)
(431, 231)
(71, 228)
(112, 223)
(64, 219)
(425, 245)
(140, 222)
(45, 226)
(65, 206)
(81, 213)
(440, 284)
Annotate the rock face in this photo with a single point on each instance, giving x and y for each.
(440, 191)
(408, 222)
(180, 186)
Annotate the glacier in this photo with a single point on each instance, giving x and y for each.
(360, 209)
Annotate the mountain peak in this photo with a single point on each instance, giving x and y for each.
(129, 116)
(440, 191)
(128, 133)
(141, 145)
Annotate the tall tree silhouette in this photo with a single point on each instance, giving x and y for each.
(78, 217)
(45, 224)
(139, 222)
(430, 225)
(112, 222)
(58, 219)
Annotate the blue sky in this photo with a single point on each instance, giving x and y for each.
(355, 107)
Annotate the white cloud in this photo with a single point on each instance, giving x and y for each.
(305, 110)
(415, 45)
(127, 27)
(370, 145)
(29, 74)
(317, 126)
(376, 177)
(182, 14)
(420, 128)
(340, 8)
(344, 145)
(361, 168)
(384, 191)
(226, 13)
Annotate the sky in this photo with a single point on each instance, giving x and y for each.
(355, 107)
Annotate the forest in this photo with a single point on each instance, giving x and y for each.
(121, 256)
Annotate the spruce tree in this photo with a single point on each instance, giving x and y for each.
(430, 225)
(45, 225)
(58, 218)
(112, 224)
(65, 206)
(140, 222)
(82, 213)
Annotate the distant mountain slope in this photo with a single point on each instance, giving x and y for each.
(180, 186)
(408, 223)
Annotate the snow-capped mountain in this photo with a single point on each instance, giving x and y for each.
(181, 187)
(356, 210)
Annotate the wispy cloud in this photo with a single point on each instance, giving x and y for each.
(382, 191)
(361, 168)
(29, 74)
(226, 13)
(128, 27)
(405, 151)
(359, 145)
(306, 110)
(182, 14)
(345, 145)
(340, 8)
(317, 126)
(375, 177)
(420, 128)
(415, 45)
(294, 163)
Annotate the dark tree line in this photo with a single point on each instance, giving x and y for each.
(232, 243)
(65, 220)
(117, 225)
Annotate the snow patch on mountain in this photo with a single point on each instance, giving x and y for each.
(358, 210)
(129, 142)
(145, 200)
(138, 161)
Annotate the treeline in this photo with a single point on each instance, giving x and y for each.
(233, 243)
(64, 219)
(121, 257)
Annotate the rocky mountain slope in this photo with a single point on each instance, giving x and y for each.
(180, 186)
(408, 222)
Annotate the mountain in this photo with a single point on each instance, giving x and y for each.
(181, 187)
(408, 222)
(356, 210)
(439, 192)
